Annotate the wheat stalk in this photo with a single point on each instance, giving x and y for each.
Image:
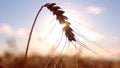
(69, 32)
(30, 34)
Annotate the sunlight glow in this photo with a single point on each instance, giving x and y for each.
(93, 36)
(82, 25)
(52, 31)
(50, 35)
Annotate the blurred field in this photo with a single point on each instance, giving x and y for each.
(11, 61)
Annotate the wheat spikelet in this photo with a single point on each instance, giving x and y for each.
(70, 34)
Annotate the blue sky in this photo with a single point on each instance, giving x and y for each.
(23, 12)
(101, 15)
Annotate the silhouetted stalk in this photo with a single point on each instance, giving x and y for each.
(67, 29)
(31, 35)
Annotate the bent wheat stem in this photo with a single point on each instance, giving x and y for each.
(30, 34)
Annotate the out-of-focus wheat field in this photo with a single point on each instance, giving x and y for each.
(34, 61)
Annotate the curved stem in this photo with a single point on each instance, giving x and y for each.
(28, 42)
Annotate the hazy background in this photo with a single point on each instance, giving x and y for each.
(16, 18)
